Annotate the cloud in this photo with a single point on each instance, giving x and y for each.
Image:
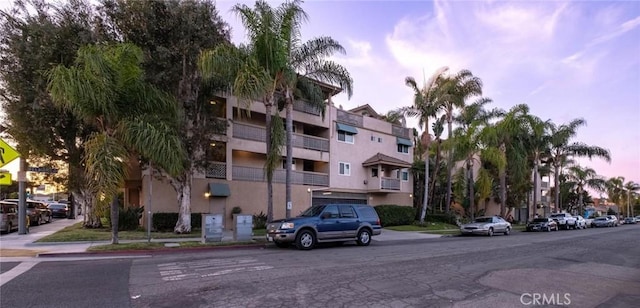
(622, 29)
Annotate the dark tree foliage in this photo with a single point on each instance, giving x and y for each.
(172, 34)
(35, 36)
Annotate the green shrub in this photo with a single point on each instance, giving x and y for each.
(445, 218)
(128, 218)
(260, 221)
(165, 222)
(236, 210)
(395, 215)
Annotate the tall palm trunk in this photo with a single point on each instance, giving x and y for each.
(426, 140)
(472, 193)
(289, 111)
(268, 109)
(449, 164)
(503, 183)
(425, 199)
(556, 182)
(536, 189)
(580, 190)
(114, 219)
(432, 188)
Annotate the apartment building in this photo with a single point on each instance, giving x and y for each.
(349, 156)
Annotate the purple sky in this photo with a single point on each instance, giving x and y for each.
(566, 60)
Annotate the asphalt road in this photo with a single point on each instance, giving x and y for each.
(576, 268)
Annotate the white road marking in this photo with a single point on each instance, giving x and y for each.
(175, 271)
(16, 271)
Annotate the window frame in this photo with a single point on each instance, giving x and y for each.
(347, 167)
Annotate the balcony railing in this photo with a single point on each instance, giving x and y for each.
(241, 173)
(302, 106)
(390, 183)
(399, 131)
(249, 132)
(349, 118)
(544, 185)
(256, 133)
(216, 170)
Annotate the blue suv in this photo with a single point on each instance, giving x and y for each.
(326, 223)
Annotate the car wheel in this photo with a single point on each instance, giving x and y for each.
(49, 219)
(507, 231)
(9, 228)
(38, 220)
(490, 233)
(305, 240)
(282, 244)
(364, 237)
(548, 229)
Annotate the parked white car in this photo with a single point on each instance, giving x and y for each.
(581, 223)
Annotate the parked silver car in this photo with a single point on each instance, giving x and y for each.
(603, 222)
(486, 226)
(581, 223)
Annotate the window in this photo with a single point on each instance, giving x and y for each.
(345, 137)
(346, 212)
(404, 175)
(333, 210)
(345, 169)
(403, 148)
(284, 163)
(374, 172)
(379, 140)
(373, 138)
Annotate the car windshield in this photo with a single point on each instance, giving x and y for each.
(483, 219)
(540, 220)
(312, 211)
(57, 206)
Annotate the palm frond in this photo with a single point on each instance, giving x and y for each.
(155, 141)
(330, 72)
(106, 162)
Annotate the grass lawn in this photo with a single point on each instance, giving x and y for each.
(76, 233)
(428, 226)
(157, 246)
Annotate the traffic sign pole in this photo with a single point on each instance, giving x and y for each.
(22, 200)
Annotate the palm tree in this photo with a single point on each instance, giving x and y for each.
(253, 71)
(426, 104)
(504, 135)
(582, 177)
(470, 148)
(562, 149)
(615, 189)
(106, 88)
(630, 187)
(306, 63)
(537, 144)
(459, 88)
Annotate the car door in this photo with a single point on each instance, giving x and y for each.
(499, 225)
(349, 221)
(329, 225)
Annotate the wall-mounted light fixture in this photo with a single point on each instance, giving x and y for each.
(410, 195)
(213, 144)
(207, 194)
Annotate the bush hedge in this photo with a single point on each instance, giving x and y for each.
(165, 222)
(445, 218)
(128, 218)
(395, 215)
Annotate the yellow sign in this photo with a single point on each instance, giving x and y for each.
(5, 178)
(7, 153)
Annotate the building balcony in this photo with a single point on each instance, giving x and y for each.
(257, 133)
(302, 106)
(241, 173)
(383, 184)
(216, 170)
(544, 185)
(544, 199)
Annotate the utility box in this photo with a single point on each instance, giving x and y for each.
(212, 227)
(243, 227)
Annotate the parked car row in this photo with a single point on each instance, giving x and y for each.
(38, 213)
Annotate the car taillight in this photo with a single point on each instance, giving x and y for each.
(378, 222)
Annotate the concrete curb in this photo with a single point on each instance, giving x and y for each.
(150, 251)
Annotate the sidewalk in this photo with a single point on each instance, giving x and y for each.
(15, 245)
